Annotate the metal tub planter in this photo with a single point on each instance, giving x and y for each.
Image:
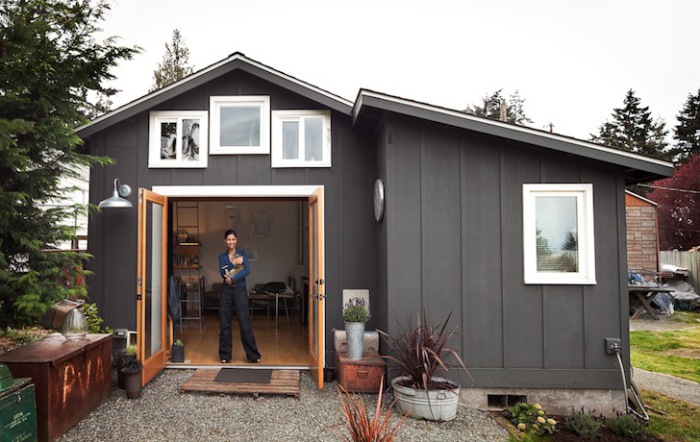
(434, 405)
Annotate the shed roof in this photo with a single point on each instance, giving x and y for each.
(370, 105)
(233, 62)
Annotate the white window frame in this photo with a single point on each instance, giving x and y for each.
(586, 241)
(262, 102)
(154, 143)
(280, 117)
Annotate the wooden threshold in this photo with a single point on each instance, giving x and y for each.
(281, 382)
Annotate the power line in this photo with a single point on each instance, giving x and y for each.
(670, 188)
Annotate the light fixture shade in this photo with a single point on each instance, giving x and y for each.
(117, 200)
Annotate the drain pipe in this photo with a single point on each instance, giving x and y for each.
(617, 349)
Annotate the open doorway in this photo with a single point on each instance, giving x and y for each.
(273, 232)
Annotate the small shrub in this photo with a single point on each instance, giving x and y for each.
(582, 424)
(178, 343)
(132, 366)
(531, 419)
(93, 319)
(627, 425)
(363, 426)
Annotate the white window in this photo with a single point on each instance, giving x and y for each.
(558, 234)
(301, 139)
(240, 125)
(178, 139)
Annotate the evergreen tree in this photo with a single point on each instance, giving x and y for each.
(633, 129)
(687, 132)
(175, 65)
(50, 62)
(491, 108)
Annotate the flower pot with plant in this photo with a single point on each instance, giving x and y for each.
(421, 354)
(122, 357)
(177, 352)
(355, 314)
(132, 378)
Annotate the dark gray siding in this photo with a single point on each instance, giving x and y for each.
(350, 233)
(453, 230)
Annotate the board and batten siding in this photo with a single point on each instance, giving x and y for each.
(350, 233)
(454, 244)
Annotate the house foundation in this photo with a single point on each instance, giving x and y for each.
(557, 401)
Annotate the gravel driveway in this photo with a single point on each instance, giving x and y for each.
(163, 414)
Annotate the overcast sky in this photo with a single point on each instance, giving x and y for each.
(572, 64)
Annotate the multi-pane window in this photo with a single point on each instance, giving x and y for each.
(301, 139)
(178, 139)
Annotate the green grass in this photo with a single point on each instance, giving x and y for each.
(676, 353)
(671, 419)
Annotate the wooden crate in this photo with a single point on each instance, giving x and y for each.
(362, 375)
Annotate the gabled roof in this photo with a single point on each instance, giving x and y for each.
(235, 61)
(370, 105)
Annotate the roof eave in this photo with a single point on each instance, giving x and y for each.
(231, 63)
(638, 168)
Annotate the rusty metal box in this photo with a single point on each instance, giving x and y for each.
(361, 375)
(71, 378)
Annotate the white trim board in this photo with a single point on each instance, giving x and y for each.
(236, 191)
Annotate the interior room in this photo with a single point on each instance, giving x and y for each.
(273, 233)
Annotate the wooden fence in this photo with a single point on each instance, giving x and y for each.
(689, 260)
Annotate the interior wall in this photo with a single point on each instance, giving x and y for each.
(269, 228)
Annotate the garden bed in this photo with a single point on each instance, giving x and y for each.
(563, 434)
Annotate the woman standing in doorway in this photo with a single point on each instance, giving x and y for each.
(234, 267)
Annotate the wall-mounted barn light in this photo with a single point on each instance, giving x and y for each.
(121, 191)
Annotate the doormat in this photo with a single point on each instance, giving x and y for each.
(243, 376)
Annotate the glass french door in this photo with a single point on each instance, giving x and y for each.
(152, 288)
(316, 287)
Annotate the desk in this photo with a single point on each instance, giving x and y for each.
(640, 298)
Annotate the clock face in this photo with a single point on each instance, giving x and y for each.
(378, 199)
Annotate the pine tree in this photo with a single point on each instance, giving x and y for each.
(49, 63)
(491, 108)
(175, 65)
(633, 129)
(687, 132)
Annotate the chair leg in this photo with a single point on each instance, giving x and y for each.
(286, 311)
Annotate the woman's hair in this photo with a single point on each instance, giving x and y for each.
(230, 232)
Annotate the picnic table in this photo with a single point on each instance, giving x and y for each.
(641, 296)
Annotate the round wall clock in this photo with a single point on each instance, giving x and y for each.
(378, 199)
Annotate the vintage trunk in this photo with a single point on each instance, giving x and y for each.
(361, 375)
(72, 378)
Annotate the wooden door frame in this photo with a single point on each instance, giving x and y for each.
(155, 363)
(273, 191)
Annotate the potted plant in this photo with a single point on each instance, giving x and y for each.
(421, 353)
(355, 314)
(132, 378)
(123, 356)
(177, 352)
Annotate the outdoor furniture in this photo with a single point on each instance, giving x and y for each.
(640, 298)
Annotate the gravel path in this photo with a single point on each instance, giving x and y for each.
(163, 414)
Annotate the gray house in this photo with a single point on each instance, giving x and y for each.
(519, 233)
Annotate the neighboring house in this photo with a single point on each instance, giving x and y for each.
(76, 191)
(642, 234)
(519, 233)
